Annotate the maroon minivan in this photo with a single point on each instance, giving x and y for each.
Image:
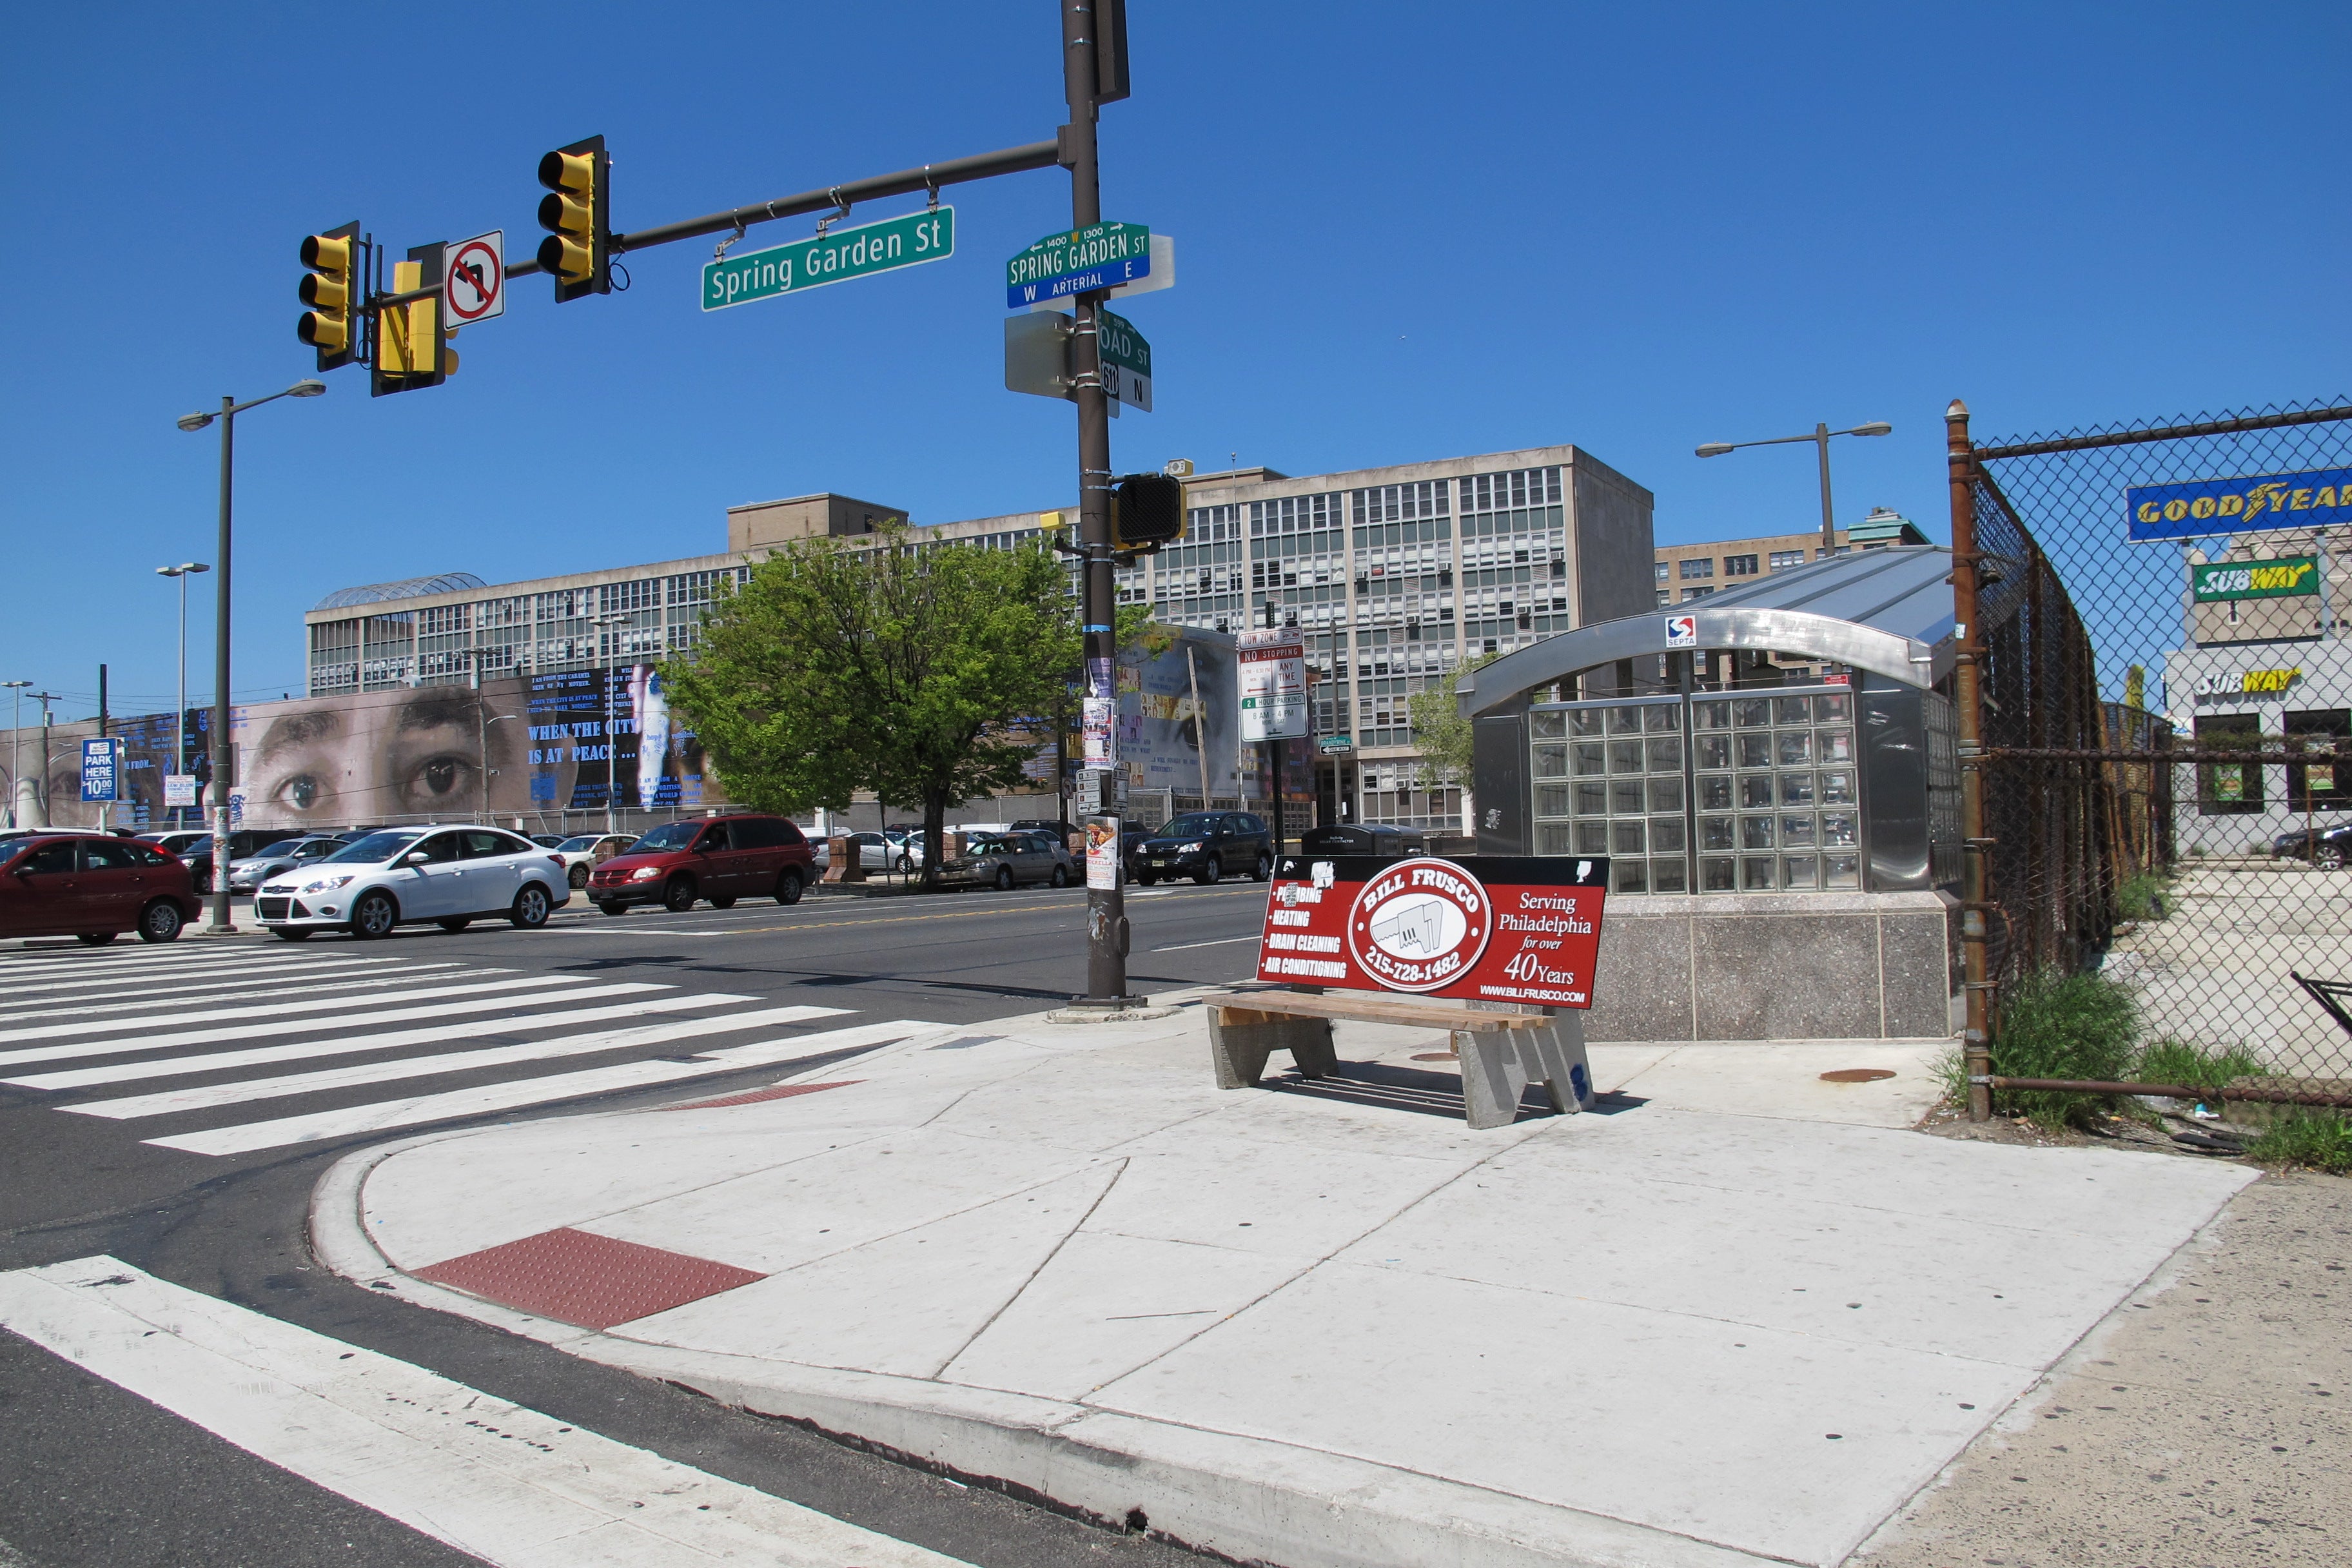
(721, 858)
(93, 886)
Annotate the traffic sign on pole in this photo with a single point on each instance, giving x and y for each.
(474, 279)
(1125, 362)
(1273, 674)
(832, 257)
(1102, 256)
(101, 770)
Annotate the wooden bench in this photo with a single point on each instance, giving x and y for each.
(1501, 1052)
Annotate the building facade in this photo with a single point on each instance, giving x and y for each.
(1689, 572)
(1395, 576)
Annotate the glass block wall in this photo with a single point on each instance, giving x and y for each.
(1610, 779)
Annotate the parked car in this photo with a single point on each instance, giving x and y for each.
(2327, 847)
(197, 851)
(92, 886)
(287, 855)
(178, 840)
(1205, 846)
(584, 852)
(547, 840)
(1061, 830)
(722, 858)
(402, 876)
(1004, 860)
(1131, 841)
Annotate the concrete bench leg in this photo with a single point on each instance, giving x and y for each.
(1241, 1040)
(1498, 1065)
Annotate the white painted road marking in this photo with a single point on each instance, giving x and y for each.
(510, 1485)
(281, 1007)
(229, 989)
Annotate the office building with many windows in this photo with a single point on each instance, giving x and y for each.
(1395, 576)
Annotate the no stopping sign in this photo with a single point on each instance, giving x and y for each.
(474, 279)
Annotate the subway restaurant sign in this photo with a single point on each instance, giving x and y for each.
(2290, 576)
(2317, 498)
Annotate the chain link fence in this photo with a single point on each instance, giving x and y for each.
(2161, 734)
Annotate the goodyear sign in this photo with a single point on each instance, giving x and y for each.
(2319, 498)
(2289, 576)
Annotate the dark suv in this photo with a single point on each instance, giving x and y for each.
(1206, 845)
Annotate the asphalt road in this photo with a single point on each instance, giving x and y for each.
(90, 1474)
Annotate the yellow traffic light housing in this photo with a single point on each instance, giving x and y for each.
(410, 347)
(1147, 511)
(577, 214)
(331, 290)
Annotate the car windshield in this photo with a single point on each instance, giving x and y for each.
(283, 847)
(669, 835)
(1192, 826)
(982, 843)
(376, 847)
(580, 844)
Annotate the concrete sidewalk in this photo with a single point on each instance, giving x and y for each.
(1740, 1315)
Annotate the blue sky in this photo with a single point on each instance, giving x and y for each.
(1406, 232)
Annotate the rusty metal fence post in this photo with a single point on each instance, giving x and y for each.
(1976, 1040)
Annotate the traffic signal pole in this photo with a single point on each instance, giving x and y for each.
(1105, 907)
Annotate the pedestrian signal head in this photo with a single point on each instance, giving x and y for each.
(331, 288)
(577, 216)
(1147, 510)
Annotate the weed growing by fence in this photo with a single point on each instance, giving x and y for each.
(2144, 896)
(2064, 1025)
(2175, 1061)
(2317, 1139)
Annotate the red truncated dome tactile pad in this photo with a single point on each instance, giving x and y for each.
(753, 1096)
(593, 1280)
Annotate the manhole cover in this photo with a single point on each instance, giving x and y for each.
(1857, 1074)
(1435, 1056)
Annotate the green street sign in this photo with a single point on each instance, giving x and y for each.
(1079, 261)
(837, 257)
(1126, 361)
(2289, 576)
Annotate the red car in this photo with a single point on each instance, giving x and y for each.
(94, 887)
(722, 858)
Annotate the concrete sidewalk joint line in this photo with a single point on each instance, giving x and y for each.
(1322, 1332)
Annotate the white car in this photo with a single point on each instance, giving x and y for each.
(584, 852)
(402, 876)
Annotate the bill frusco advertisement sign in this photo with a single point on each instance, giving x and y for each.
(1511, 929)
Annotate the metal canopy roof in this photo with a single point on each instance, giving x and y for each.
(412, 588)
(1886, 611)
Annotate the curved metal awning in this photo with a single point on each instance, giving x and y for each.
(1886, 611)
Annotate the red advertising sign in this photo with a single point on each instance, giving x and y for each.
(1480, 928)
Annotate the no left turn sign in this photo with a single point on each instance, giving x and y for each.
(474, 279)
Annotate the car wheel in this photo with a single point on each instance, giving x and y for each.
(1214, 871)
(614, 909)
(531, 908)
(903, 865)
(204, 885)
(98, 938)
(1145, 879)
(374, 916)
(1060, 879)
(725, 902)
(455, 922)
(2330, 858)
(788, 887)
(678, 896)
(1264, 868)
(579, 877)
(1003, 880)
(290, 933)
(159, 921)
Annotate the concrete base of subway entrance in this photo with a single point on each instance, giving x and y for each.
(1777, 966)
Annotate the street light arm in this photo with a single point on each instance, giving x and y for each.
(1877, 427)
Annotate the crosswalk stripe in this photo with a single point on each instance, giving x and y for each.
(455, 1104)
(80, 1050)
(501, 1482)
(353, 1045)
(289, 965)
(121, 958)
(223, 991)
(207, 1097)
(279, 1007)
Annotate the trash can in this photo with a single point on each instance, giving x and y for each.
(1358, 838)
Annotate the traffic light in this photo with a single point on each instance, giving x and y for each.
(1147, 510)
(331, 290)
(410, 352)
(578, 215)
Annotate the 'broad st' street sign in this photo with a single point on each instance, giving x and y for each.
(1078, 262)
(1125, 362)
(837, 257)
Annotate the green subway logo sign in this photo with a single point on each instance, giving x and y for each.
(2289, 576)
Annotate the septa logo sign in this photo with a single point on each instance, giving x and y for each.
(1682, 631)
(1420, 926)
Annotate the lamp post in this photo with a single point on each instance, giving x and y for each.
(482, 740)
(182, 571)
(224, 757)
(15, 745)
(1821, 438)
(611, 750)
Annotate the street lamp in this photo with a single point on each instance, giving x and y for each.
(183, 571)
(15, 745)
(1820, 438)
(611, 759)
(222, 757)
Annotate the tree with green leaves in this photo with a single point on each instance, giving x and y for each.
(1440, 729)
(925, 673)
